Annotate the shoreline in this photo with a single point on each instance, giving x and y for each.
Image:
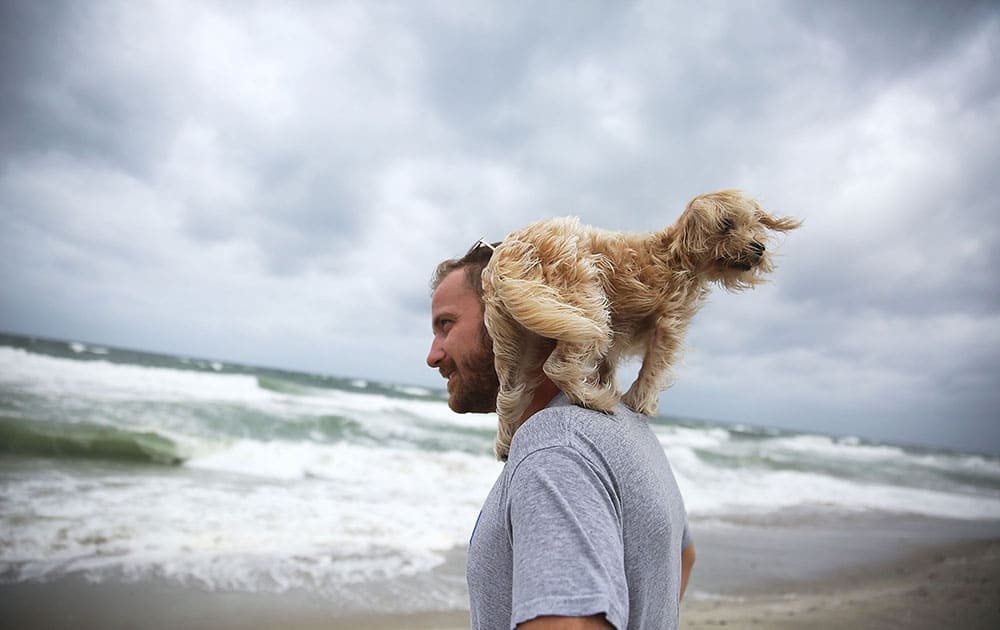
(955, 585)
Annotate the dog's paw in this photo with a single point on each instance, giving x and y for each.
(603, 405)
(645, 405)
(603, 399)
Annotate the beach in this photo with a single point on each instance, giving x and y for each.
(156, 491)
(945, 587)
(910, 582)
(895, 578)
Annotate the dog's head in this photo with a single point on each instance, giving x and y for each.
(724, 236)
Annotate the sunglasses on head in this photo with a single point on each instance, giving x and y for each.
(482, 243)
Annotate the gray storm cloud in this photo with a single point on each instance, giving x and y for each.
(273, 183)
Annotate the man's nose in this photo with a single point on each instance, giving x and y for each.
(436, 355)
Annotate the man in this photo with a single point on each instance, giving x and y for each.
(585, 527)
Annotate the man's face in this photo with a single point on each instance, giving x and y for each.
(462, 350)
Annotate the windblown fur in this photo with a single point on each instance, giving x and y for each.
(569, 300)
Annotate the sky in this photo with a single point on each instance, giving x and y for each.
(273, 183)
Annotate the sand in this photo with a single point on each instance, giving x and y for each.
(947, 587)
(75, 603)
(904, 574)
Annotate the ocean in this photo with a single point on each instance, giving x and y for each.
(126, 466)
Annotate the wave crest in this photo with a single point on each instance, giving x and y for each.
(87, 440)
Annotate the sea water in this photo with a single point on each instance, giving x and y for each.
(125, 465)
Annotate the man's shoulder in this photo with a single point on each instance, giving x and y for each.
(546, 429)
(563, 424)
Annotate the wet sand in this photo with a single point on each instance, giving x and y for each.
(76, 603)
(851, 573)
(944, 587)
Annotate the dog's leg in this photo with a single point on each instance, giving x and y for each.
(578, 365)
(663, 346)
(606, 370)
(576, 369)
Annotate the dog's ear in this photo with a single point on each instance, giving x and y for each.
(780, 224)
(687, 238)
(696, 224)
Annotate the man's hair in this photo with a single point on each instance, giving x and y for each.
(473, 263)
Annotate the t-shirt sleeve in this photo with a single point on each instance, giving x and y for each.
(567, 540)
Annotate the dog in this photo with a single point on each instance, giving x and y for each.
(569, 301)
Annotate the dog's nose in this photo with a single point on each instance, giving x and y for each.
(758, 248)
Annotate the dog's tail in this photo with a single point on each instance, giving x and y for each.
(540, 309)
(515, 283)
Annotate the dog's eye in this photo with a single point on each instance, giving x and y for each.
(727, 225)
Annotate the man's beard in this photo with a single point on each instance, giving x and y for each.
(476, 386)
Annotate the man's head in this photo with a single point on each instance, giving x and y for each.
(472, 264)
(462, 350)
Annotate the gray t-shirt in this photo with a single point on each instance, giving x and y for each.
(585, 518)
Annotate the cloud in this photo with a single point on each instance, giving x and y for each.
(274, 183)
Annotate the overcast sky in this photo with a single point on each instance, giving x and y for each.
(273, 183)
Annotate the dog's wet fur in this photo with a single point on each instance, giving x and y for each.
(570, 301)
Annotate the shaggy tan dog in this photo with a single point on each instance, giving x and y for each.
(571, 300)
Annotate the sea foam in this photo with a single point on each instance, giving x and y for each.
(297, 481)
